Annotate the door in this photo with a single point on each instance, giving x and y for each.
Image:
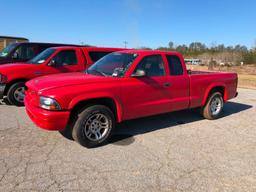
(178, 84)
(65, 61)
(148, 95)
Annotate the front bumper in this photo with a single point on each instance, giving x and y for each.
(49, 120)
(2, 88)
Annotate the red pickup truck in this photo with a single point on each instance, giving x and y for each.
(52, 60)
(124, 85)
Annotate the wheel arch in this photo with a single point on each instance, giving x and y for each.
(215, 88)
(9, 84)
(110, 102)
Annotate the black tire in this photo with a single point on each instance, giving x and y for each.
(67, 132)
(207, 112)
(6, 101)
(83, 123)
(11, 92)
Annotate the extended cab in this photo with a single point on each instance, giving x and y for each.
(52, 60)
(121, 86)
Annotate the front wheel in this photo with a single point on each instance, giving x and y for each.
(16, 94)
(94, 126)
(213, 107)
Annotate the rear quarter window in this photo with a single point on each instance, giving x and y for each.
(97, 55)
(175, 65)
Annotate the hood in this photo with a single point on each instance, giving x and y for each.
(64, 80)
(5, 68)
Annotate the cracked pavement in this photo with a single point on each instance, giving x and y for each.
(179, 151)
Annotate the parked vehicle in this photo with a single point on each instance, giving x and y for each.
(22, 52)
(52, 60)
(121, 86)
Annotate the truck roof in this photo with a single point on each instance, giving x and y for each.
(88, 48)
(39, 43)
(103, 48)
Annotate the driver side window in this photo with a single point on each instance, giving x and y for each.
(152, 65)
(25, 52)
(64, 58)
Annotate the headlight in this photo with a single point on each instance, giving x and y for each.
(49, 103)
(3, 78)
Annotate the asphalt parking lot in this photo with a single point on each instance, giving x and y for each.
(172, 152)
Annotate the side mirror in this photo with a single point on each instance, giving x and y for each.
(139, 73)
(52, 63)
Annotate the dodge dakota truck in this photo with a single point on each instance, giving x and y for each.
(52, 60)
(121, 86)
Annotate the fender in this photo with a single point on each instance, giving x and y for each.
(212, 86)
(10, 83)
(98, 95)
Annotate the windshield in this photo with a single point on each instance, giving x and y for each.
(114, 64)
(7, 50)
(42, 57)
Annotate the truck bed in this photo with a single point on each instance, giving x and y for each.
(202, 81)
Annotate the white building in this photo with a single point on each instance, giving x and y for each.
(193, 61)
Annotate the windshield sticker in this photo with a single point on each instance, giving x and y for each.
(41, 61)
(4, 54)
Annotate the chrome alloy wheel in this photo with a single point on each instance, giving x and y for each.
(19, 94)
(96, 127)
(216, 106)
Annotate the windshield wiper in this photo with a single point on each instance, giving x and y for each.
(99, 72)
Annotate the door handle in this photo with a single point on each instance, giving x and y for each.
(167, 84)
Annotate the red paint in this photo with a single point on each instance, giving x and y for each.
(50, 120)
(133, 97)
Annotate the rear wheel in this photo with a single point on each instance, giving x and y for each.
(213, 107)
(94, 126)
(16, 94)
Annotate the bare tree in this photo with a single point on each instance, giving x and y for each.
(197, 46)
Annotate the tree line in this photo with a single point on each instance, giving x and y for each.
(195, 49)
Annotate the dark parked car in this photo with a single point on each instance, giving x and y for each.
(22, 52)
